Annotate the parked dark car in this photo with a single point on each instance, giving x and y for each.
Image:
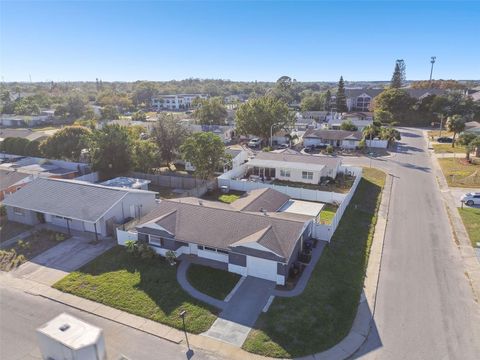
(445, 139)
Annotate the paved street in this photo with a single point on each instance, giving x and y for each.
(21, 314)
(425, 308)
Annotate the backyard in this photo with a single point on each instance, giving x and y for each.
(213, 282)
(342, 184)
(460, 173)
(144, 287)
(328, 213)
(218, 195)
(323, 314)
(471, 220)
(23, 250)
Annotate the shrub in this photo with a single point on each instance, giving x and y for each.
(329, 149)
(267, 149)
(3, 210)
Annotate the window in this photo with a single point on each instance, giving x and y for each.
(308, 175)
(284, 173)
(210, 249)
(155, 240)
(200, 247)
(18, 211)
(222, 251)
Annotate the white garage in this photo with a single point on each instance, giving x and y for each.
(262, 268)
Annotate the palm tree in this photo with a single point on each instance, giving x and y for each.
(471, 142)
(370, 131)
(390, 134)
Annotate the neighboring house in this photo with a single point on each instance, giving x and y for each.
(361, 99)
(292, 167)
(238, 153)
(77, 205)
(281, 137)
(472, 127)
(11, 181)
(40, 167)
(11, 120)
(176, 102)
(336, 138)
(360, 120)
(250, 237)
(28, 134)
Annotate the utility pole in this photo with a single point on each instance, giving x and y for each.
(432, 61)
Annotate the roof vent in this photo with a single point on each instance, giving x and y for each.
(64, 327)
(200, 202)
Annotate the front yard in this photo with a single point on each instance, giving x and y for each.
(448, 149)
(323, 314)
(459, 173)
(213, 282)
(144, 287)
(471, 220)
(10, 229)
(26, 249)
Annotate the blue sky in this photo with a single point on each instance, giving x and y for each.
(237, 40)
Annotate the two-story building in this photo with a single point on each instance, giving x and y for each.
(176, 102)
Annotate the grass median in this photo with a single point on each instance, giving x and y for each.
(144, 287)
(323, 314)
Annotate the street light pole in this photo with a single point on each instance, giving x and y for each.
(432, 61)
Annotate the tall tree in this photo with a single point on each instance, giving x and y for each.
(455, 124)
(109, 112)
(313, 102)
(169, 134)
(110, 150)
(143, 93)
(211, 111)
(66, 143)
(399, 76)
(284, 89)
(206, 152)
(328, 101)
(398, 103)
(145, 156)
(348, 125)
(259, 115)
(341, 99)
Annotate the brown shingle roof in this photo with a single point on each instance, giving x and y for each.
(255, 200)
(222, 228)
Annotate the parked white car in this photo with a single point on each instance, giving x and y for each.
(471, 198)
(255, 142)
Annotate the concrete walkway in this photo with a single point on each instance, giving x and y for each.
(305, 276)
(183, 281)
(236, 320)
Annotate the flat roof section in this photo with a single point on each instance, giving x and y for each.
(301, 207)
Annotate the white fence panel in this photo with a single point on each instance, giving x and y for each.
(383, 144)
(124, 236)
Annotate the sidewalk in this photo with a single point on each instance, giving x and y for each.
(460, 235)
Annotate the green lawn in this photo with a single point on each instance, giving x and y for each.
(471, 220)
(144, 287)
(217, 195)
(461, 174)
(213, 282)
(447, 148)
(327, 213)
(323, 314)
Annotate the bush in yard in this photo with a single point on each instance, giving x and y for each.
(329, 149)
(171, 257)
(3, 210)
(131, 246)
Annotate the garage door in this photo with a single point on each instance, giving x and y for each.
(265, 269)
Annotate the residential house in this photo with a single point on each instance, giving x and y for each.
(472, 127)
(250, 237)
(11, 181)
(12, 120)
(40, 167)
(336, 138)
(239, 155)
(286, 166)
(360, 120)
(176, 101)
(77, 205)
(28, 134)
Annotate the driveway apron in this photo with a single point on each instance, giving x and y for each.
(236, 320)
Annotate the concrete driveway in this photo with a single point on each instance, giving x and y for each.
(53, 264)
(236, 320)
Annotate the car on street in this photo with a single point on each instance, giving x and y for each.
(471, 198)
(445, 139)
(255, 142)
